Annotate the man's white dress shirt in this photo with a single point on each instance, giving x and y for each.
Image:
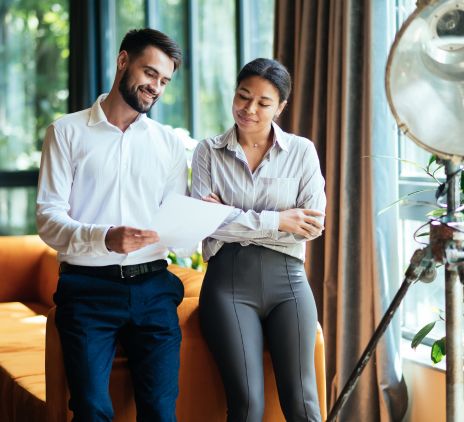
(94, 176)
(289, 176)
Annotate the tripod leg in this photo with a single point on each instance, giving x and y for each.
(454, 349)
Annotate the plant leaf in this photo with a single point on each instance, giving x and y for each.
(420, 335)
(439, 212)
(433, 161)
(401, 160)
(438, 350)
(399, 201)
(421, 203)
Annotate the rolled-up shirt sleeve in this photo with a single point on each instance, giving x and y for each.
(55, 226)
(311, 193)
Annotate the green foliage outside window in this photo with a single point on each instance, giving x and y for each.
(33, 92)
(33, 77)
(173, 109)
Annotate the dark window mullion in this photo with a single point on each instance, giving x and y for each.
(242, 31)
(151, 6)
(19, 178)
(152, 21)
(107, 23)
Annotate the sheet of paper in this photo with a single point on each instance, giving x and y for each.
(182, 222)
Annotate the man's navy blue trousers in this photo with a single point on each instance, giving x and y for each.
(141, 313)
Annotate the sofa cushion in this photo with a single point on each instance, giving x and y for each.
(22, 363)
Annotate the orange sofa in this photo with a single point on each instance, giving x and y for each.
(31, 367)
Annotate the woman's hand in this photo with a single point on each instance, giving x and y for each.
(301, 221)
(213, 198)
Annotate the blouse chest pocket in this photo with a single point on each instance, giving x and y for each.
(278, 193)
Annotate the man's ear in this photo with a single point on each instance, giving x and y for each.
(123, 60)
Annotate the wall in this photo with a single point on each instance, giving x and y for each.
(426, 387)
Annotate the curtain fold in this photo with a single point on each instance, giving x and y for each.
(327, 47)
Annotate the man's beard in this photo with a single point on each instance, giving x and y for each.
(130, 96)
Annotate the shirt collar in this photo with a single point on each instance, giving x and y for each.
(229, 138)
(97, 115)
(280, 137)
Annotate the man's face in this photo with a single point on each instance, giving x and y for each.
(145, 78)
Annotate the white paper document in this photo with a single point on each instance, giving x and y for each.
(182, 222)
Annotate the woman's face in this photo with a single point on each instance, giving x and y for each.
(256, 103)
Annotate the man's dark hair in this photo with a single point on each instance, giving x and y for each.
(271, 70)
(136, 40)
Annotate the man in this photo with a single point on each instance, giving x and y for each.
(104, 172)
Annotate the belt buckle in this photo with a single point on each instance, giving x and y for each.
(126, 276)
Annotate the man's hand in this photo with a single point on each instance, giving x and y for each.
(125, 239)
(301, 221)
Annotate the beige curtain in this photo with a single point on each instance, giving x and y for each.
(325, 44)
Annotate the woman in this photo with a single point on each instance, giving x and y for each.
(255, 285)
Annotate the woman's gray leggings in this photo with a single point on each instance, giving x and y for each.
(250, 292)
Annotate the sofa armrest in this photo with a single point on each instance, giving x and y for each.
(19, 260)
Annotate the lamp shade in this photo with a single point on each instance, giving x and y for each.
(425, 77)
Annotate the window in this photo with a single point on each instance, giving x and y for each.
(422, 300)
(117, 18)
(257, 29)
(171, 17)
(33, 92)
(217, 37)
(217, 66)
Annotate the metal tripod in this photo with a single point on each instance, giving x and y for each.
(446, 246)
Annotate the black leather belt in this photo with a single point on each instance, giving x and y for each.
(115, 271)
